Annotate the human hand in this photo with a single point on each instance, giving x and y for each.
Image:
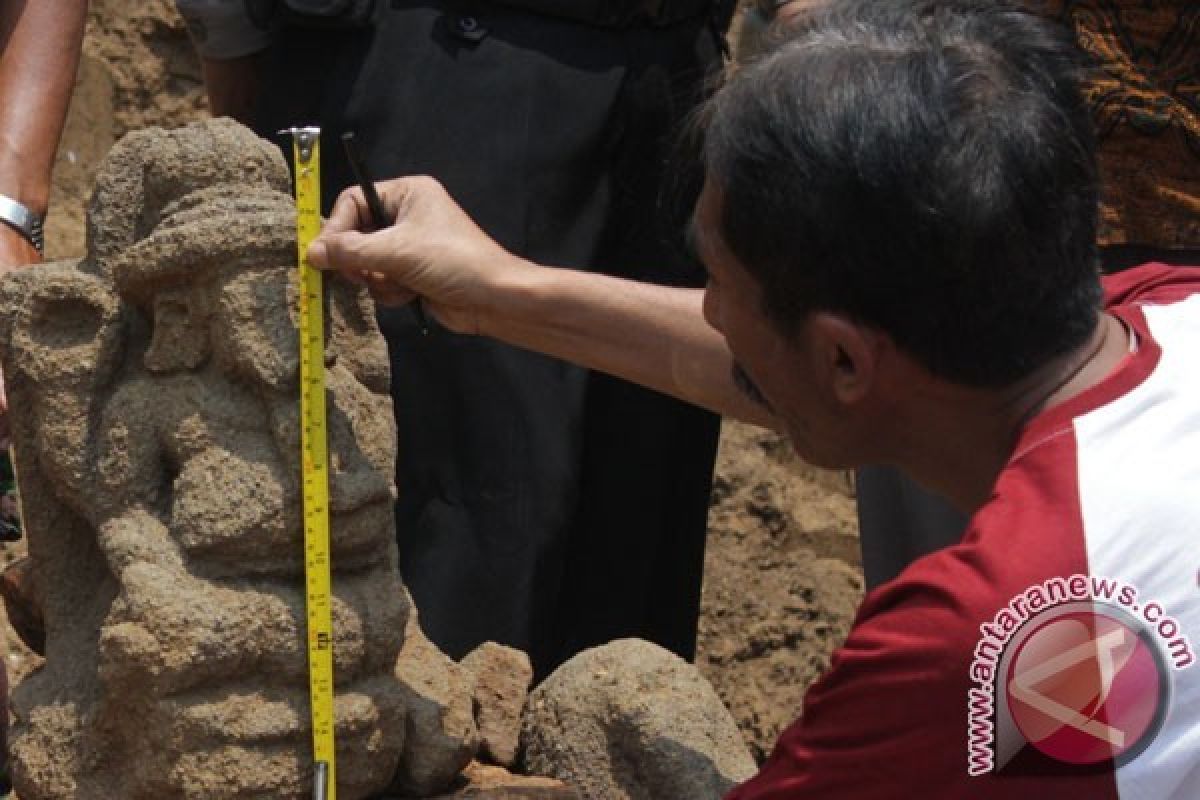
(432, 250)
(15, 251)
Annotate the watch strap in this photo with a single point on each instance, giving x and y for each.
(24, 220)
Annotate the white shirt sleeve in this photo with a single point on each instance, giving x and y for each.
(221, 29)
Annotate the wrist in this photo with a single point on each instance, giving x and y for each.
(22, 179)
(24, 195)
(23, 221)
(512, 296)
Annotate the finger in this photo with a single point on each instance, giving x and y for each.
(349, 212)
(318, 256)
(397, 193)
(344, 251)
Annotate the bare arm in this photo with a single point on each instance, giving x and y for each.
(655, 336)
(651, 335)
(41, 42)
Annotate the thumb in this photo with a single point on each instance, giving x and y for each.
(337, 251)
(318, 254)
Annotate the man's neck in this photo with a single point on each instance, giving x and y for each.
(964, 437)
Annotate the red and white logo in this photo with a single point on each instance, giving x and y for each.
(1077, 670)
(1085, 686)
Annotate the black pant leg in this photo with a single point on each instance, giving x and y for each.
(498, 446)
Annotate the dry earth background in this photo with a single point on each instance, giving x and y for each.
(782, 574)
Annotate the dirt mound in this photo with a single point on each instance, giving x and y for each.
(782, 579)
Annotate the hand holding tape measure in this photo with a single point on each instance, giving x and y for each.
(375, 209)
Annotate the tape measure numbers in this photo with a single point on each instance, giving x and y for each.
(306, 146)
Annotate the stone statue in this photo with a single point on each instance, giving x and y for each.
(155, 388)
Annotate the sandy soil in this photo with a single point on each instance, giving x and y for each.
(782, 579)
(782, 571)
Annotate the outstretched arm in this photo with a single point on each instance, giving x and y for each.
(655, 336)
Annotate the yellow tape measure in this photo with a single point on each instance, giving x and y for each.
(306, 146)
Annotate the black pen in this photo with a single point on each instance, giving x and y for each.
(375, 208)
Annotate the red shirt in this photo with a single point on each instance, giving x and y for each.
(1061, 630)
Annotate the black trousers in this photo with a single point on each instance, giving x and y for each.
(540, 505)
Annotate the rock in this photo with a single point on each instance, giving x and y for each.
(632, 720)
(502, 677)
(160, 480)
(442, 737)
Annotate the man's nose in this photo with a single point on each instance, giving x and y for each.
(711, 309)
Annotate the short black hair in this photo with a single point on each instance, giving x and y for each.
(926, 167)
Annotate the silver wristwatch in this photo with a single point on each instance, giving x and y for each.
(20, 217)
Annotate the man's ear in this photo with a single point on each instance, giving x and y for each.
(846, 355)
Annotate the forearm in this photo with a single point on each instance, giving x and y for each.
(655, 336)
(41, 45)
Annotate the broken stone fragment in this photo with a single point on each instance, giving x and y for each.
(632, 721)
(489, 782)
(442, 738)
(502, 677)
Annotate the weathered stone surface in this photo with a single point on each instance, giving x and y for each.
(502, 677)
(156, 424)
(441, 736)
(632, 720)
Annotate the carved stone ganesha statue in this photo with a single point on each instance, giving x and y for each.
(155, 388)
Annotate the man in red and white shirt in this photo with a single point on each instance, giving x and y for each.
(1104, 485)
(899, 222)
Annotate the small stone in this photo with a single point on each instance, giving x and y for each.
(441, 737)
(653, 728)
(502, 679)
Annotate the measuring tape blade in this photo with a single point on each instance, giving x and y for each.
(306, 147)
